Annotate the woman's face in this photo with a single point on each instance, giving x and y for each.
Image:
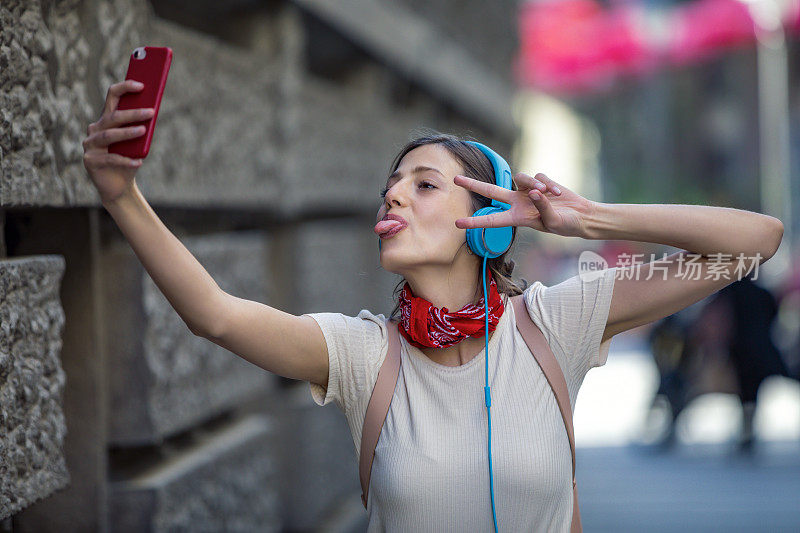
(422, 192)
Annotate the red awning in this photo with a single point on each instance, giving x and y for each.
(579, 46)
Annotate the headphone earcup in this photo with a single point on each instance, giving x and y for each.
(489, 242)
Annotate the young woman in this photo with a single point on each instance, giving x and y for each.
(429, 471)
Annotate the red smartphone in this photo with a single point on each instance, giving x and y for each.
(149, 65)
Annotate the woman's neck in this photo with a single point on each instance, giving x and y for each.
(453, 287)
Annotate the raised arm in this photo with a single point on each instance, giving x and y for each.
(720, 245)
(282, 343)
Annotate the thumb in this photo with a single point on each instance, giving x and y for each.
(547, 213)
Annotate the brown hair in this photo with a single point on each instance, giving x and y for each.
(477, 166)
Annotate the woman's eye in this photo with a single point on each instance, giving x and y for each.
(424, 183)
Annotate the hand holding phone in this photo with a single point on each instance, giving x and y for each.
(149, 65)
(115, 144)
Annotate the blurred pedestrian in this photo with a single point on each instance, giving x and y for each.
(752, 311)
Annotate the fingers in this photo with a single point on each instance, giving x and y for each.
(110, 159)
(542, 203)
(126, 116)
(492, 220)
(106, 131)
(103, 138)
(488, 190)
(540, 182)
(552, 186)
(524, 181)
(117, 90)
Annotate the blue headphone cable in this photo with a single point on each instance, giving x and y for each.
(488, 393)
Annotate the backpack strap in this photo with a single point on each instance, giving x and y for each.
(383, 391)
(537, 344)
(378, 407)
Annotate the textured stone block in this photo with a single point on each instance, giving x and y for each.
(32, 424)
(163, 378)
(344, 137)
(217, 136)
(45, 64)
(225, 481)
(216, 140)
(319, 470)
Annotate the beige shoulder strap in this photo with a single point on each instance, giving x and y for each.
(383, 391)
(537, 344)
(378, 407)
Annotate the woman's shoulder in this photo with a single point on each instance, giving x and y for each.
(575, 293)
(362, 331)
(357, 346)
(572, 316)
(349, 320)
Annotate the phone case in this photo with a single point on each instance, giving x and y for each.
(149, 65)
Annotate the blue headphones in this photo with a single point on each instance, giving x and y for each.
(492, 242)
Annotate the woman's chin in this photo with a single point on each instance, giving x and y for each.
(392, 262)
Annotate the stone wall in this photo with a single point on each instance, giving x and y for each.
(31, 381)
(278, 123)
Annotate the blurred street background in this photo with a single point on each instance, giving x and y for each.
(694, 422)
(275, 135)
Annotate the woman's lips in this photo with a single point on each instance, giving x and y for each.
(389, 228)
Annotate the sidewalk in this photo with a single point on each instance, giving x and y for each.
(692, 488)
(697, 485)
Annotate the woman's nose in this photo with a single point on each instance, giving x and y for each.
(395, 195)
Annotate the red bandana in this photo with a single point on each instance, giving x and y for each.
(426, 326)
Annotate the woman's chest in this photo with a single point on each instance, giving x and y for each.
(432, 455)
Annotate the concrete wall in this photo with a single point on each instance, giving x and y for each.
(278, 123)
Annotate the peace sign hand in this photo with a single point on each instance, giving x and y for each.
(539, 203)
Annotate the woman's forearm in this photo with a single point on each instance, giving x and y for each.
(699, 229)
(188, 287)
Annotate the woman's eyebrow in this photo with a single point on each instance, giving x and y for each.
(417, 170)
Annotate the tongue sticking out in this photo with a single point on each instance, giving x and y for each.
(385, 225)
